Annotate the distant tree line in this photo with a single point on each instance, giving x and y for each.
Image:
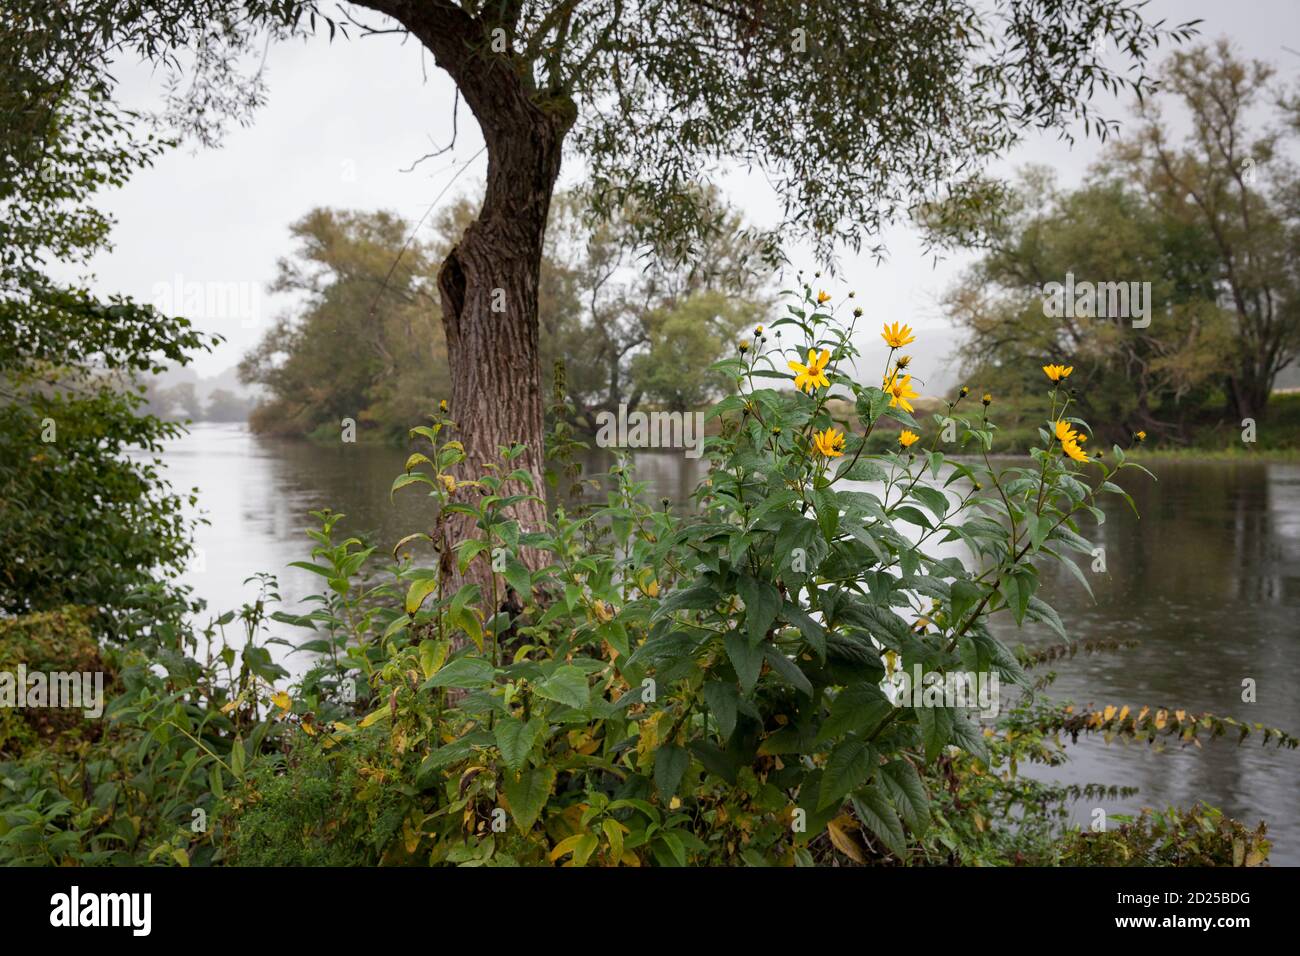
(1211, 223)
(366, 340)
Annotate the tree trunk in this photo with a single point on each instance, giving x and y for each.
(488, 283)
(488, 288)
(1248, 394)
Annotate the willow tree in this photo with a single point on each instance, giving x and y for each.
(853, 112)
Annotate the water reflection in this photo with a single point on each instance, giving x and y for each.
(1208, 579)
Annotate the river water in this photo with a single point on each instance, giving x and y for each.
(1207, 579)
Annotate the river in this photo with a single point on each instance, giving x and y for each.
(1207, 579)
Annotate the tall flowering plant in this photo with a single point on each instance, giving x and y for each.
(760, 679)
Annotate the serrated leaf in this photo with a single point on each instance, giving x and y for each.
(517, 577)
(745, 658)
(936, 730)
(463, 672)
(858, 708)
(671, 762)
(902, 783)
(566, 685)
(515, 739)
(528, 792)
(721, 699)
(850, 765)
(875, 813)
(762, 601)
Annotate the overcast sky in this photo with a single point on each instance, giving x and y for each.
(344, 119)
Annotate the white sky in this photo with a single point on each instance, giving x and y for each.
(344, 119)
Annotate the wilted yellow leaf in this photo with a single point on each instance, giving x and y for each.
(838, 829)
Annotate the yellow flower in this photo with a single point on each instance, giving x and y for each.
(897, 335)
(812, 375)
(1057, 372)
(988, 398)
(1065, 433)
(281, 700)
(900, 390)
(1141, 436)
(829, 443)
(1072, 449)
(823, 296)
(908, 438)
(743, 345)
(442, 405)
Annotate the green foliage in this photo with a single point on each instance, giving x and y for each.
(686, 690)
(719, 687)
(368, 342)
(147, 783)
(1210, 225)
(367, 345)
(59, 640)
(631, 327)
(1198, 836)
(84, 513)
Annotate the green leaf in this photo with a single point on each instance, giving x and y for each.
(517, 577)
(872, 403)
(745, 658)
(516, 739)
(873, 810)
(451, 753)
(965, 595)
(762, 601)
(1040, 529)
(902, 783)
(721, 698)
(812, 631)
(933, 499)
(858, 708)
(462, 672)
(936, 730)
(789, 671)
(968, 735)
(432, 656)
(671, 762)
(850, 765)
(403, 480)
(863, 469)
(567, 685)
(528, 792)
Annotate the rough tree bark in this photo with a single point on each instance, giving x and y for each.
(488, 284)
